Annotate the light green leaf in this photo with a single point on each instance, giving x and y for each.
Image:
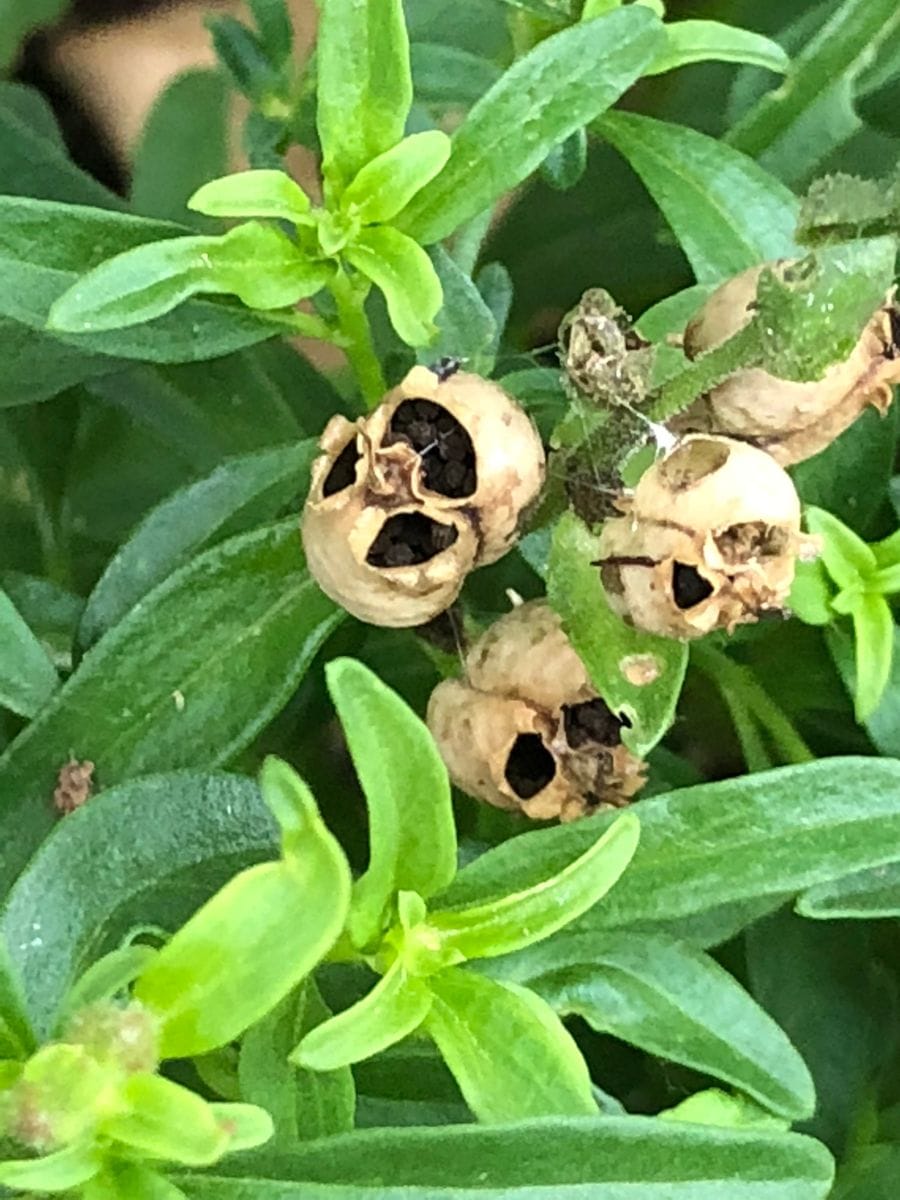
(27, 676)
(168, 1121)
(251, 943)
(614, 653)
(725, 210)
(402, 270)
(411, 831)
(524, 917)
(703, 41)
(566, 81)
(261, 193)
(810, 597)
(107, 977)
(873, 629)
(715, 1107)
(886, 580)
(56, 1172)
(394, 1008)
(364, 84)
(254, 262)
(673, 1001)
(509, 1052)
(246, 1125)
(466, 327)
(387, 184)
(130, 1181)
(845, 555)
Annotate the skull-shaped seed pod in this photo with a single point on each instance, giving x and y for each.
(709, 541)
(404, 503)
(791, 420)
(527, 731)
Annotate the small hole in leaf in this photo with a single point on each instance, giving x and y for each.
(593, 723)
(343, 470)
(688, 586)
(530, 766)
(408, 539)
(446, 450)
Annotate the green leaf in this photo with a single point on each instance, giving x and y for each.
(864, 895)
(304, 1104)
(27, 676)
(726, 212)
(511, 1055)
(402, 270)
(386, 184)
(449, 76)
(184, 142)
(247, 1125)
(57, 1172)
(275, 29)
(271, 194)
(524, 917)
(715, 1107)
(393, 1009)
(703, 41)
(245, 58)
(411, 831)
(563, 83)
(882, 725)
(17, 22)
(364, 84)
(550, 1159)
(188, 678)
(254, 262)
(565, 165)
(466, 328)
(107, 978)
(811, 593)
(253, 942)
(241, 493)
(674, 1002)
(873, 629)
(614, 653)
(846, 556)
(771, 834)
(165, 1120)
(121, 1180)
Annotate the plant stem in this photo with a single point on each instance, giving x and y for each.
(360, 350)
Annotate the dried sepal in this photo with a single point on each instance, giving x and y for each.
(709, 540)
(526, 731)
(790, 420)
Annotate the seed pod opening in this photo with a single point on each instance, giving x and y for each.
(709, 540)
(404, 503)
(790, 420)
(527, 731)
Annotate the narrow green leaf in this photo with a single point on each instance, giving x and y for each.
(402, 270)
(450, 76)
(715, 1107)
(387, 183)
(565, 165)
(614, 653)
(846, 556)
(121, 1180)
(562, 84)
(873, 629)
(253, 942)
(245, 58)
(188, 678)
(246, 1125)
(393, 1009)
(275, 29)
(57, 1172)
(365, 86)
(727, 212)
(529, 916)
(271, 194)
(27, 676)
(165, 1120)
(886, 580)
(107, 978)
(466, 327)
(411, 830)
(811, 593)
(511, 1055)
(703, 41)
(866, 895)
(672, 1001)
(254, 262)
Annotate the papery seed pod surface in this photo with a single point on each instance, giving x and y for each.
(791, 420)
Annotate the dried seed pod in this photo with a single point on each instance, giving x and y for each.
(527, 731)
(789, 419)
(405, 502)
(709, 540)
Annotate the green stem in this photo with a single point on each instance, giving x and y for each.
(729, 676)
(360, 350)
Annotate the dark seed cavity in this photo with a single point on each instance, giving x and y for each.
(530, 766)
(751, 539)
(408, 539)
(688, 586)
(593, 723)
(343, 470)
(446, 450)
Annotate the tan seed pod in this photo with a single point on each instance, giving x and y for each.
(404, 503)
(527, 731)
(789, 419)
(709, 541)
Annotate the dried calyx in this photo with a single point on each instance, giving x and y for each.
(709, 540)
(790, 420)
(526, 730)
(404, 503)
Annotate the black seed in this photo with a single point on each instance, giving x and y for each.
(688, 586)
(343, 470)
(593, 722)
(440, 441)
(409, 538)
(530, 766)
